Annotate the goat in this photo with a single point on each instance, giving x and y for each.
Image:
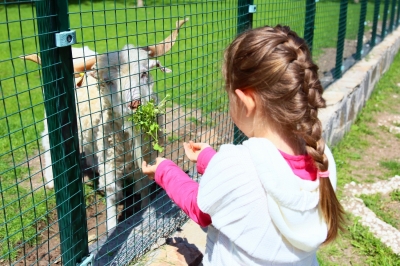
(112, 87)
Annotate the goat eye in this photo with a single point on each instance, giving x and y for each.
(144, 75)
(109, 82)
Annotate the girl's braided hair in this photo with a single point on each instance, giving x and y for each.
(277, 64)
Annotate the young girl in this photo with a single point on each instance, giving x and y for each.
(271, 200)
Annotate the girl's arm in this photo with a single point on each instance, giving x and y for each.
(182, 190)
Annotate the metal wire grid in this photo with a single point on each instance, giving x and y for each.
(325, 38)
(281, 12)
(353, 24)
(27, 208)
(197, 110)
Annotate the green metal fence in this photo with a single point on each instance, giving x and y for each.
(98, 207)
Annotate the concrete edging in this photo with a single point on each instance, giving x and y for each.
(347, 96)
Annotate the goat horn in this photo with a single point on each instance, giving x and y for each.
(166, 45)
(83, 65)
(32, 57)
(78, 67)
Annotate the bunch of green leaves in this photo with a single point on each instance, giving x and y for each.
(145, 119)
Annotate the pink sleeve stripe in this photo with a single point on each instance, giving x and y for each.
(182, 190)
(204, 158)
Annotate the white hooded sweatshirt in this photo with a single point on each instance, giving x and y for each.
(262, 213)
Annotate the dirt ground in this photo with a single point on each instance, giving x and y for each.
(383, 146)
(48, 248)
(327, 60)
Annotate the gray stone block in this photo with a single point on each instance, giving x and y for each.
(346, 97)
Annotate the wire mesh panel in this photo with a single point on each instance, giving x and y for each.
(369, 21)
(325, 37)
(28, 228)
(29, 221)
(35, 221)
(143, 77)
(290, 13)
(353, 25)
(126, 213)
(385, 18)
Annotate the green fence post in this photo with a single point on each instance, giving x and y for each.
(341, 36)
(361, 26)
(375, 23)
(385, 13)
(245, 22)
(393, 12)
(58, 89)
(245, 18)
(309, 22)
(398, 13)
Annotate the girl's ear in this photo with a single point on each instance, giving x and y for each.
(247, 97)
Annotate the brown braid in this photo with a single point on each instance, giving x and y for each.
(277, 64)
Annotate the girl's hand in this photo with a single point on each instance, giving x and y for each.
(192, 150)
(150, 170)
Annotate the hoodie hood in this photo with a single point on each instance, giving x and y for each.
(292, 201)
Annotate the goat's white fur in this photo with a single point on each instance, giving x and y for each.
(104, 97)
(110, 142)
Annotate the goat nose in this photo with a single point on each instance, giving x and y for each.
(134, 104)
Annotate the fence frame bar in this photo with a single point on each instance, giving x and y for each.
(361, 27)
(392, 13)
(309, 23)
(398, 13)
(340, 40)
(59, 95)
(375, 23)
(245, 22)
(384, 21)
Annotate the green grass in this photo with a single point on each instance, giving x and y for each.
(395, 195)
(392, 166)
(22, 210)
(372, 250)
(377, 204)
(362, 243)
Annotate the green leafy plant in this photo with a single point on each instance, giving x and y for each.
(145, 119)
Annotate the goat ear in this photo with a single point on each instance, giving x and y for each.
(32, 57)
(156, 63)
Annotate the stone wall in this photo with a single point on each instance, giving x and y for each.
(347, 96)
